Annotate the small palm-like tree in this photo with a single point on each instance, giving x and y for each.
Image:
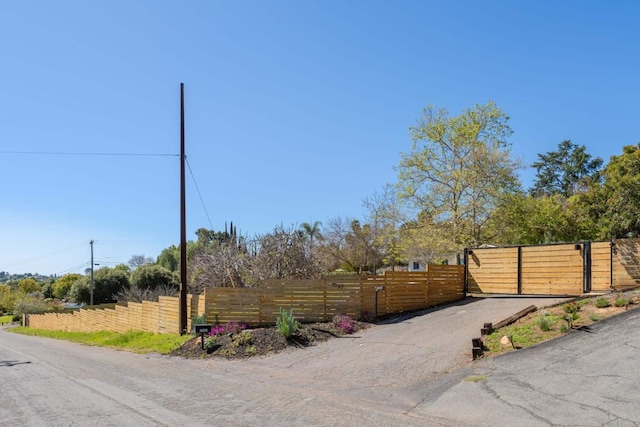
(312, 231)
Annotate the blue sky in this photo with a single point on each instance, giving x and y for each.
(296, 110)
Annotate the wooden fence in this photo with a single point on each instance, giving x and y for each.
(311, 301)
(320, 300)
(559, 269)
(157, 317)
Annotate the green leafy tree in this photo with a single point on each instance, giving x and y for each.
(80, 291)
(616, 203)
(29, 285)
(123, 267)
(458, 168)
(169, 258)
(7, 299)
(525, 219)
(153, 276)
(567, 171)
(427, 241)
(108, 283)
(62, 286)
(47, 288)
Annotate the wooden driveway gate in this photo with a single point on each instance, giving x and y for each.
(555, 269)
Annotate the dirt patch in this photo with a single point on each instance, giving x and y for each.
(244, 343)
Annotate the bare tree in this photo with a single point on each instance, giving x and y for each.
(220, 265)
(139, 260)
(283, 254)
(138, 294)
(352, 245)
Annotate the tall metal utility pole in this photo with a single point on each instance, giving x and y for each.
(183, 223)
(91, 287)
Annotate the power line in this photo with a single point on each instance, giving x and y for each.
(69, 270)
(199, 195)
(71, 153)
(41, 257)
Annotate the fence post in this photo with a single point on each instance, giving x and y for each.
(519, 270)
(586, 265)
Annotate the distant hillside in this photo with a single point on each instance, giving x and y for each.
(5, 276)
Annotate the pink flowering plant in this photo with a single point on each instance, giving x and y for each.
(229, 328)
(344, 324)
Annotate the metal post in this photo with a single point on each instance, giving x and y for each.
(612, 251)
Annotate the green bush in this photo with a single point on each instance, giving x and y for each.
(287, 324)
(210, 342)
(28, 304)
(621, 302)
(602, 302)
(199, 320)
(571, 308)
(594, 317)
(544, 322)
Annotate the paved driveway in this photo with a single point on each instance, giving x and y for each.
(588, 377)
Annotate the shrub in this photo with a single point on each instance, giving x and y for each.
(583, 302)
(569, 318)
(29, 304)
(210, 342)
(571, 308)
(563, 328)
(544, 322)
(594, 317)
(621, 302)
(602, 302)
(344, 324)
(242, 339)
(199, 320)
(287, 324)
(234, 327)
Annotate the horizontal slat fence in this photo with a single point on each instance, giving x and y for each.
(493, 270)
(311, 301)
(626, 265)
(553, 269)
(558, 269)
(157, 317)
(321, 299)
(601, 266)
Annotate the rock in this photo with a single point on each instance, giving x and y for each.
(506, 341)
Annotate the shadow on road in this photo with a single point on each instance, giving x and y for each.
(12, 363)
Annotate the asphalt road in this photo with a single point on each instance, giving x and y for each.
(409, 372)
(589, 377)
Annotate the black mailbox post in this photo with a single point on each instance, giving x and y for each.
(202, 329)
